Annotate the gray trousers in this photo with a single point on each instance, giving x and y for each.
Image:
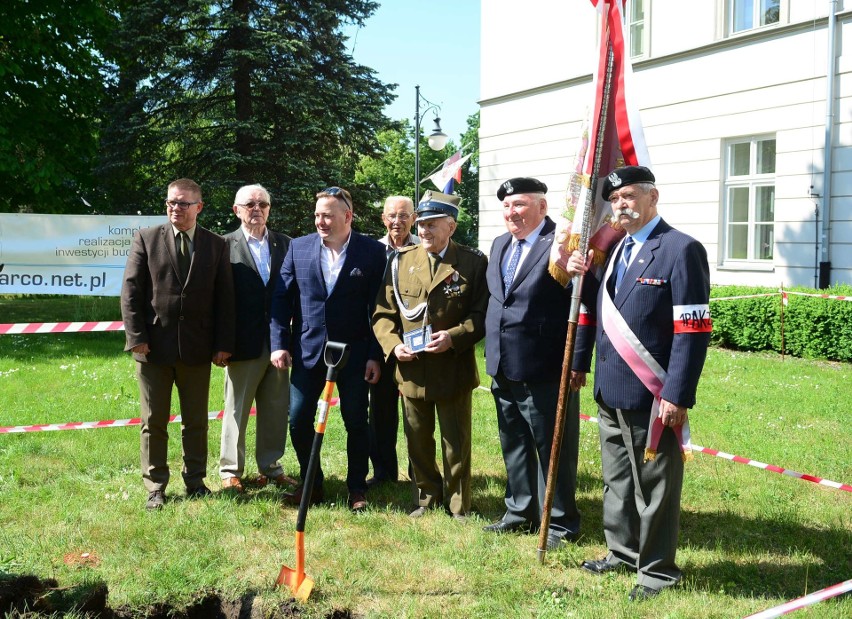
(641, 502)
(254, 381)
(526, 417)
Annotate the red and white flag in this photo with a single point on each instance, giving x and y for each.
(450, 172)
(622, 141)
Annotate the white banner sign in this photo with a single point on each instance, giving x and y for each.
(66, 254)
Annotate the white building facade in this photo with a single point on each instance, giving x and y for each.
(732, 96)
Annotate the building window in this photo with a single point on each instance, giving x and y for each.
(750, 200)
(636, 28)
(751, 14)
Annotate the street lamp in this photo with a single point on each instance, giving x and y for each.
(437, 139)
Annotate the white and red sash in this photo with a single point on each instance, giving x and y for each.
(646, 368)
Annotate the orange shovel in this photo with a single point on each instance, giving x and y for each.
(335, 356)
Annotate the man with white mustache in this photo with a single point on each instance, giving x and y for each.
(652, 331)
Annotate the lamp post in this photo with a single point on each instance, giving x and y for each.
(437, 139)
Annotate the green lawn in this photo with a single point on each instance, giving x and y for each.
(750, 539)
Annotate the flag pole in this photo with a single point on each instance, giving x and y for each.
(567, 359)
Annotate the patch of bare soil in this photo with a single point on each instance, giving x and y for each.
(30, 597)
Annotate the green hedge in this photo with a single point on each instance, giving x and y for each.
(814, 328)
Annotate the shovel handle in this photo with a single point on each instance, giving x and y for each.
(335, 355)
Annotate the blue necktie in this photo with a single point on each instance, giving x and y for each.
(513, 266)
(624, 261)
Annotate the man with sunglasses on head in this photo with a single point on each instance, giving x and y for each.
(326, 291)
(256, 257)
(177, 302)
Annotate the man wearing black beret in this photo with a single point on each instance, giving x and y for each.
(652, 331)
(525, 327)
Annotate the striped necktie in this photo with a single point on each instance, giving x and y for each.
(624, 261)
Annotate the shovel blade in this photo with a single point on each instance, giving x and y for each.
(300, 584)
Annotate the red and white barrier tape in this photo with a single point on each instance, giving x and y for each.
(813, 598)
(59, 327)
(773, 468)
(747, 296)
(820, 296)
(110, 423)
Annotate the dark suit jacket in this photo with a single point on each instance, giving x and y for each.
(317, 316)
(187, 321)
(678, 275)
(525, 330)
(253, 297)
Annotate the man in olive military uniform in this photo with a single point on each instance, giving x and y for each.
(429, 316)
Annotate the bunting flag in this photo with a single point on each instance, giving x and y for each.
(623, 143)
(450, 173)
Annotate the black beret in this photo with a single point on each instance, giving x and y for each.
(521, 184)
(436, 204)
(628, 175)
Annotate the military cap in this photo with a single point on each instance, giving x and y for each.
(436, 204)
(520, 184)
(622, 177)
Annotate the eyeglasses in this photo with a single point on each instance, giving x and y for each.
(337, 192)
(181, 205)
(251, 205)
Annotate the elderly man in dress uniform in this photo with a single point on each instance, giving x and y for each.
(652, 332)
(429, 316)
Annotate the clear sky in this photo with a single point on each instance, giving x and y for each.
(432, 43)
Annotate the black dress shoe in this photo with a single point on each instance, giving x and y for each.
(198, 492)
(295, 498)
(501, 526)
(641, 592)
(601, 566)
(553, 541)
(156, 498)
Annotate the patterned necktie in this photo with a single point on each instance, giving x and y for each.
(183, 254)
(624, 261)
(513, 266)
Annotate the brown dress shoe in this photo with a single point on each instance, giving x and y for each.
(357, 502)
(233, 483)
(282, 481)
(295, 498)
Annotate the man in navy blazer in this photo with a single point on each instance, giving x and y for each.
(525, 327)
(256, 257)
(652, 321)
(327, 287)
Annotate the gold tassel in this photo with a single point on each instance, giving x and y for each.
(686, 456)
(650, 454)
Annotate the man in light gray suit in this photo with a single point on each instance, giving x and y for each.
(256, 257)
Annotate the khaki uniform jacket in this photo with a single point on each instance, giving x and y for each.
(457, 298)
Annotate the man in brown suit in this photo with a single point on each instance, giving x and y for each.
(429, 316)
(177, 303)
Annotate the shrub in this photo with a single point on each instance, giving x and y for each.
(813, 327)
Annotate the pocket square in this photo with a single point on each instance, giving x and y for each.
(356, 272)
